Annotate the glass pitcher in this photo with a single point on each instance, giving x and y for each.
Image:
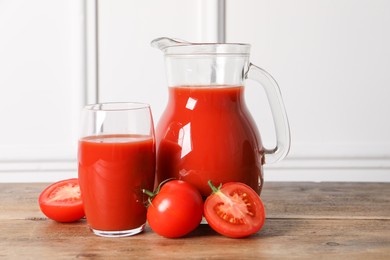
(206, 131)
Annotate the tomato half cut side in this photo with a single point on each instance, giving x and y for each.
(61, 201)
(234, 210)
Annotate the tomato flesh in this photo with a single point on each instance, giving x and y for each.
(61, 201)
(176, 210)
(235, 210)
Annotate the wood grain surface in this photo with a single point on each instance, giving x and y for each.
(304, 221)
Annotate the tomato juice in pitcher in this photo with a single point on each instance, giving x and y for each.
(209, 135)
(206, 131)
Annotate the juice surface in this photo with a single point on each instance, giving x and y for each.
(113, 170)
(207, 133)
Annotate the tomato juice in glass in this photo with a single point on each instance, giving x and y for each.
(206, 133)
(113, 170)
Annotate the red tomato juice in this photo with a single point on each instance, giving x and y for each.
(113, 170)
(207, 133)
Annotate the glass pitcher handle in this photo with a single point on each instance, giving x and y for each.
(278, 111)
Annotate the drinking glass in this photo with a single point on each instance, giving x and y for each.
(117, 158)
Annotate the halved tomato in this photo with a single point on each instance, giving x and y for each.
(234, 210)
(61, 201)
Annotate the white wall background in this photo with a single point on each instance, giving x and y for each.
(331, 59)
(41, 88)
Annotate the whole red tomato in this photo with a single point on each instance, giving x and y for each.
(175, 210)
(234, 210)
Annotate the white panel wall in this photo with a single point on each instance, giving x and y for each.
(41, 88)
(130, 69)
(331, 59)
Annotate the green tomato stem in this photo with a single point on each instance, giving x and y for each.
(161, 184)
(154, 193)
(213, 188)
(149, 193)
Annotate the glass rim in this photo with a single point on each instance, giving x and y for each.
(116, 106)
(241, 49)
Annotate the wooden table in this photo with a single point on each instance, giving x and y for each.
(304, 221)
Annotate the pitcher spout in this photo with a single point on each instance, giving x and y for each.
(164, 42)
